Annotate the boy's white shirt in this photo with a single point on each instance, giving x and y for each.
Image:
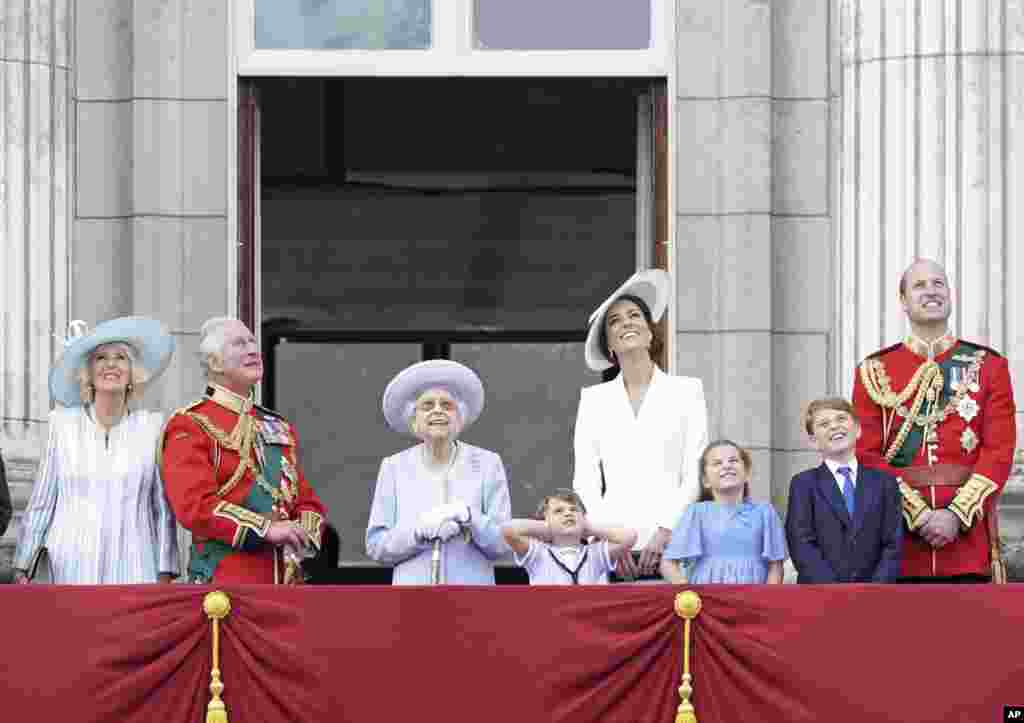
(834, 469)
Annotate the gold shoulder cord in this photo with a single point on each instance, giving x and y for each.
(877, 384)
(240, 440)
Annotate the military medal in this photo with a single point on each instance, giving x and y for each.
(973, 380)
(967, 409)
(969, 440)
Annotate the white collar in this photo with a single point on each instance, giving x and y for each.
(834, 467)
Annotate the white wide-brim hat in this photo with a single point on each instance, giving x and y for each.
(402, 392)
(651, 285)
(151, 341)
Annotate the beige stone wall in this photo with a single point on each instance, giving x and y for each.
(36, 69)
(753, 247)
(116, 159)
(151, 211)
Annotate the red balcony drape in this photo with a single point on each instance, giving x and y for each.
(858, 653)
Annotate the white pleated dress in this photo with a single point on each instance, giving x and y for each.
(98, 505)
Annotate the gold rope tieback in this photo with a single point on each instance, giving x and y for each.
(687, 607)
(216, 605)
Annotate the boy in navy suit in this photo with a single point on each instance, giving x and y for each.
(844, 521)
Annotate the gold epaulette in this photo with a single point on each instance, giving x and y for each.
(913, 505)
(167, 422)
(968, 505)
(240, 440)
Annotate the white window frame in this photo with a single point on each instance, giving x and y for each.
(453, 52)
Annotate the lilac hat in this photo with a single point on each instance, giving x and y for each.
(651, 285)
(458, 380)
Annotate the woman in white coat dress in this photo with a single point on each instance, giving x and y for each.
(639, 434)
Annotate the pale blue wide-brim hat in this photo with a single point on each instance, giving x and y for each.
(150, 340)
(457, 379)
(651, 285)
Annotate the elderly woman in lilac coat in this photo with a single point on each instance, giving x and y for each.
(439, 505)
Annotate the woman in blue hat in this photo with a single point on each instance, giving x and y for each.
(439, 505)
(98, 513)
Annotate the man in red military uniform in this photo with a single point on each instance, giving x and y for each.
(231, 472)
(938, 413)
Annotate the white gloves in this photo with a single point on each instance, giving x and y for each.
(442, 522)
(448, 530)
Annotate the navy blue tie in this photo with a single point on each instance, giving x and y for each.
(847, 474)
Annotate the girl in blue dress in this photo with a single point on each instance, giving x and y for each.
(725, 538)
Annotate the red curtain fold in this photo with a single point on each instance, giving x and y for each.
(573, 654)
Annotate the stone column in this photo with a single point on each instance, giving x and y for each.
(722, 236)
(34, 212)
(931, 163)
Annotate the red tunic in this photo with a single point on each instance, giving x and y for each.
(199, 459)
(980, 435)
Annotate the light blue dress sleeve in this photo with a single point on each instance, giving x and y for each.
(497, 509)
(167, 530)
(386, 542)
(166, 525)
(35, 522)
(774, 535)
(686, 543)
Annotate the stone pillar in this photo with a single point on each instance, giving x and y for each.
(34, 215)
(722, 237)
(752, 232)
(931, 163)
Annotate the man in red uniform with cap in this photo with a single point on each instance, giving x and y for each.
(231, 472)
(938, 413)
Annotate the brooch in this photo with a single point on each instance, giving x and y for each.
(967, 409)
(969, 440)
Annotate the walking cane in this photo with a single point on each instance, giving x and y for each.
(435, 563)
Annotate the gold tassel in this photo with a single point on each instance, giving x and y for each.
(687, 606)
(216, 605)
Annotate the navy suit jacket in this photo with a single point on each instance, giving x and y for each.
(826, 545)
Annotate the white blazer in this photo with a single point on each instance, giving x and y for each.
(649, 460)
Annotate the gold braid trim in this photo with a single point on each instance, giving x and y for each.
(932, 377)
(240, 440)
(969, 502)
(937, 416)
(312, 523)
(913, 505)
(877, 384)
(244, 519)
